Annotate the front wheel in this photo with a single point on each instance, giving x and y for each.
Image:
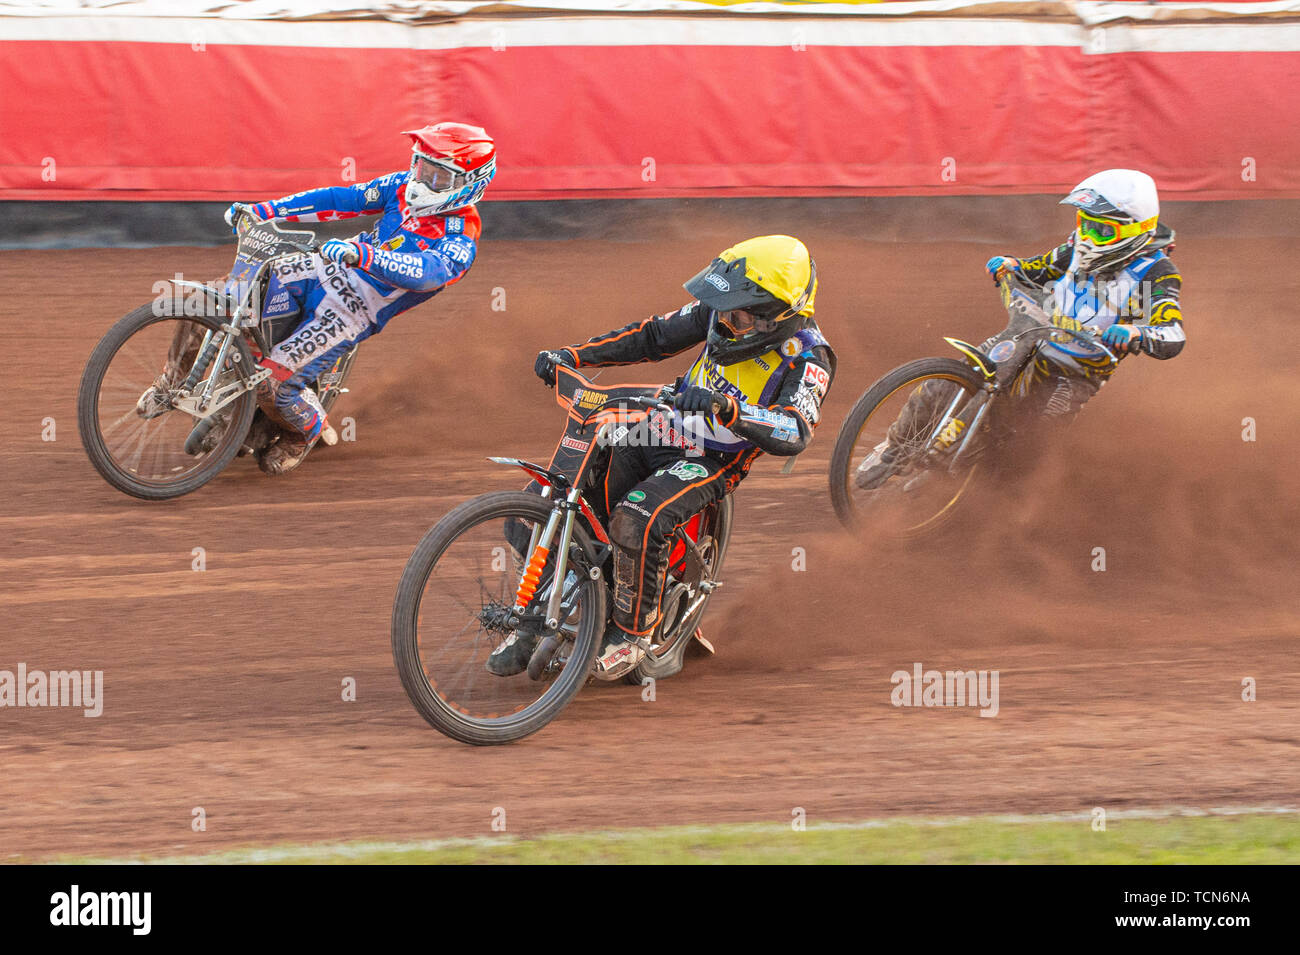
(453, 607)
(902, 413)
(135, 438)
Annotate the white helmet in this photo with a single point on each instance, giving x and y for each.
(1118, 213)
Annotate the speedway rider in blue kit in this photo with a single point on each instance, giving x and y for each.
(1111, 277)
(426, 239)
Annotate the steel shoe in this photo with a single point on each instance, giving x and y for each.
(880, 465)
(154, 401)
(285, 455)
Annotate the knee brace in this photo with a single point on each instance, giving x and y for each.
(626, 529)
(294, 406)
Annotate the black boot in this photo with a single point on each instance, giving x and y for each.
(513, 654)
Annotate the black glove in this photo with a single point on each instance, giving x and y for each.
(697, 400)
(544, 367)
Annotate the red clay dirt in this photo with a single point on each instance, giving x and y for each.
(223, 688)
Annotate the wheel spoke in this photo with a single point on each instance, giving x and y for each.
(908, 415)
(468, 701)
(119, 421)
(149, 452)
(152, 373)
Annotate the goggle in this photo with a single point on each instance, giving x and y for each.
(439, 175)
(742, 321)
(1108, 231)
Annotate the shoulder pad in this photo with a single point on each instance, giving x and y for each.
(1145, 262)
(470, 223)
(808, 338)
(811, 339)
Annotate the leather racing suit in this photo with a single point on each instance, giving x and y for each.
(653, 486)
(1142, 293)
(404, 260)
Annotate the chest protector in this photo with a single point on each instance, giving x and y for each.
(754, 381)
(1099, 304)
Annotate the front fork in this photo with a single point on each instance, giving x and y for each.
(561, 521)
(540, 544)
(953, 434)
(212, 353)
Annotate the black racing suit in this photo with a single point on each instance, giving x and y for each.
(651, 488)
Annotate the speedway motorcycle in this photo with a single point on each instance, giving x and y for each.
(966, 428)
(167, 398)
(539, 562)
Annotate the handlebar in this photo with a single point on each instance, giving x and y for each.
(1005, 284)
(661, 402)
(1090, 340)
(242, 211)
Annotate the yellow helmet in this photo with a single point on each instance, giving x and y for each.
(771, 276)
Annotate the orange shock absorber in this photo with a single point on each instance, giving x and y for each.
(532, 576)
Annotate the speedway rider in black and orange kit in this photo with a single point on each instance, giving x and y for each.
(757, 386)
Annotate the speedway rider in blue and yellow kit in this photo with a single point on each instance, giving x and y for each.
(756, 386)
(1111, 277)
(425, 239)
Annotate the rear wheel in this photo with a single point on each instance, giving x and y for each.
(451, 611)
(917, 498)
(139, 443)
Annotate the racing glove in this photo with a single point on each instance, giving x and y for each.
(697, 400)
(348, 252)
(1122, 338)
(1000, 265)
(259, 210)
(546, 362)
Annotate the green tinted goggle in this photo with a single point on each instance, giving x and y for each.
(1108, 231)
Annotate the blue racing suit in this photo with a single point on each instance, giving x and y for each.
(404, 260)
(1143, 294)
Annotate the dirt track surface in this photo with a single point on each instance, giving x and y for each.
(222, 688)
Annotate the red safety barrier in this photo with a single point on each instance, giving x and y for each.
(95, 119)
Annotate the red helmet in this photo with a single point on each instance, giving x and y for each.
(451, 166)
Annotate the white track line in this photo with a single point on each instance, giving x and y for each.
(353, 850)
